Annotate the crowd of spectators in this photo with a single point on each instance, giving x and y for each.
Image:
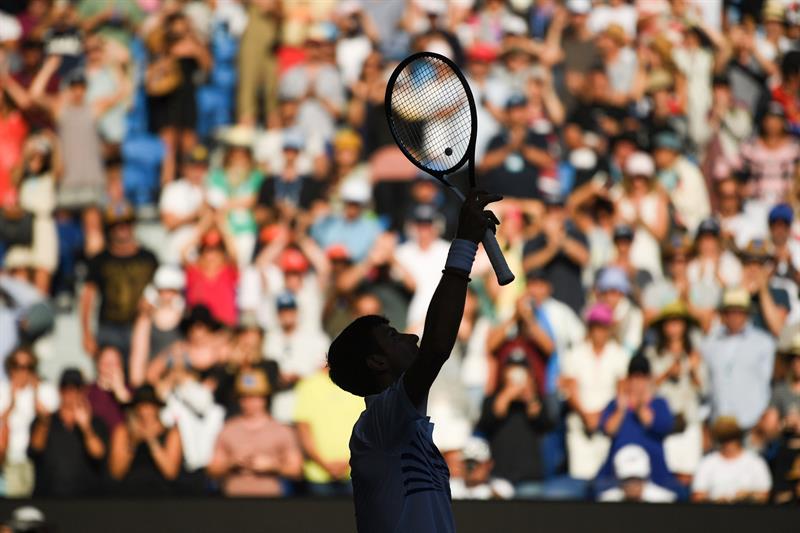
(647, 150)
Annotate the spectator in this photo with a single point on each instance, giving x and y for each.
(590, 375)
(740, 222)
(109, 393)
(298, 353)
(256, 68)
(475, 481)
(24, 315)
(513, 420)
(786, 252)
(770, 305)
(158, 324)
(254, 451)
(731, 474)
(323, 417)
(13, 131)
(728, 125)
(211, 279)
(613, 289)
(681, 378)
(22, 398)
(638, 278)
(637, 416)
(118, 275)
(740, 359)
(632, 470)
(562, 251)
(182, 203)
(68, 447)
(145, 456)
(713, 264)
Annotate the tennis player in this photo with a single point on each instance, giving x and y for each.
(400, 480)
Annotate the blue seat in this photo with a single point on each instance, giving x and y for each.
(214, 109)
(141, 155)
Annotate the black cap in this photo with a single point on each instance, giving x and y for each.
(553, 199)
(775, 109)
(286, 300)
(75, 77)
(721, 80)
(639, 365)
(516, 100)
(145, 394)
(71, 377)
(708, 226)
(623, 232)
(199, 314)
(536, 274)
(423, 213)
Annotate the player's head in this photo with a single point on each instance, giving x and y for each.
(369, 354)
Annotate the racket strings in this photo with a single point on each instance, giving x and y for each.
(430, 114)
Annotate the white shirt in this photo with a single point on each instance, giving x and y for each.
(21, 417)
(198, 428)
(180, 198)
(724, 478)
(730, 270)
(651, 493)
(597, 375)
(259, 287)
(425, 266)
(494, 488)
(601, 17)
(400, 480)
(568, 329)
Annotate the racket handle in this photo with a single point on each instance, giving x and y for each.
(498, 260)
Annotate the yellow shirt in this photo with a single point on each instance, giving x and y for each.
(330, 413)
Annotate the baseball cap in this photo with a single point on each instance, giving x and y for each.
(76, 76)
(26, 518)
(579, 7)
(708, 226)
(198, 155)
(623, 232)
(482, 52)
(632, 462)
(293, 140)
(782, 213)
(355, 191)
(285, 300)
(735, 298)
(726, 428)
(600, 314)
(667, 140)
(536, 274)
(211, 239)
(248, 321)
(775, 109)
(516, 100)
(347, 138)
(252, 382)
(476, 449)
(639, 366)
(613, 279)
(169, 277)
(71, 377)
(118, 213)
(239, 136)
(292, 260)
(338, 252)
(757, 250)
(640, 164)
(424, 213)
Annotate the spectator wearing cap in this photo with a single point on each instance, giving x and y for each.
(622, 237)
(472, 479)
(770, 303)
(22, 396)
(353, 228)
(643, 206)
(182, 203)
(109, 393)
(37, 195)
(614, 289)
(421, 257)
(233, 189)
(145, 457)
(68, 447)
(638, 416)
(632, 471)
(712, 263)
(212, 277)
(562, 250)
(770, 160)
(324, 415)
(740, 359)
(158, 324)
(682, 180)
(590, 375)
(516, 157)
(117, 277)
(780, 424)
(298, 352)
(513, 420)
(681, 378)
(731, 474)
(290, 261)
(316, 85)
(786, 251)
(700, 297)
(254, 451)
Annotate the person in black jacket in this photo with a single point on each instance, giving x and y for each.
(513, 420)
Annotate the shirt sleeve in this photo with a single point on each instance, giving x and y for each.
(534, 245)
(762, 480)
(388, 419)
(702, 478)
(662, 417)
(606, 414)
(781, 297)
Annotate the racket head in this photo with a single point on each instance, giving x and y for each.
(431, 113)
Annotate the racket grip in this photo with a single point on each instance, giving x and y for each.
(498, 260)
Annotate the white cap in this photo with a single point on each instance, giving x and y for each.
(435, 7)
(476, 449)
(169, 277)
(356, 191)
(640, 164)
(632, 461)
(581, 7)
(583, 158)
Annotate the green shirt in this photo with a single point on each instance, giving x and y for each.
(240, 220)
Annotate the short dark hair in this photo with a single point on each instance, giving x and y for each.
(347, 356)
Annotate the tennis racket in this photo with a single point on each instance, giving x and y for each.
(431, 114)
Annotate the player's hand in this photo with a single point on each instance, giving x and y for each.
(473, 220)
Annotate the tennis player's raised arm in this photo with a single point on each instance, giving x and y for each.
(447, 304)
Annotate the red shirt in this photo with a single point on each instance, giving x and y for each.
(217, 292)
(13, 130)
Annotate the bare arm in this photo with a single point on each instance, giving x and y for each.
(121, 455)
(140, 345)
(86, 307)
(167, 457)
(774, 315)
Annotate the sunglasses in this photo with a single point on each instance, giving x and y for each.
(22, 366)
